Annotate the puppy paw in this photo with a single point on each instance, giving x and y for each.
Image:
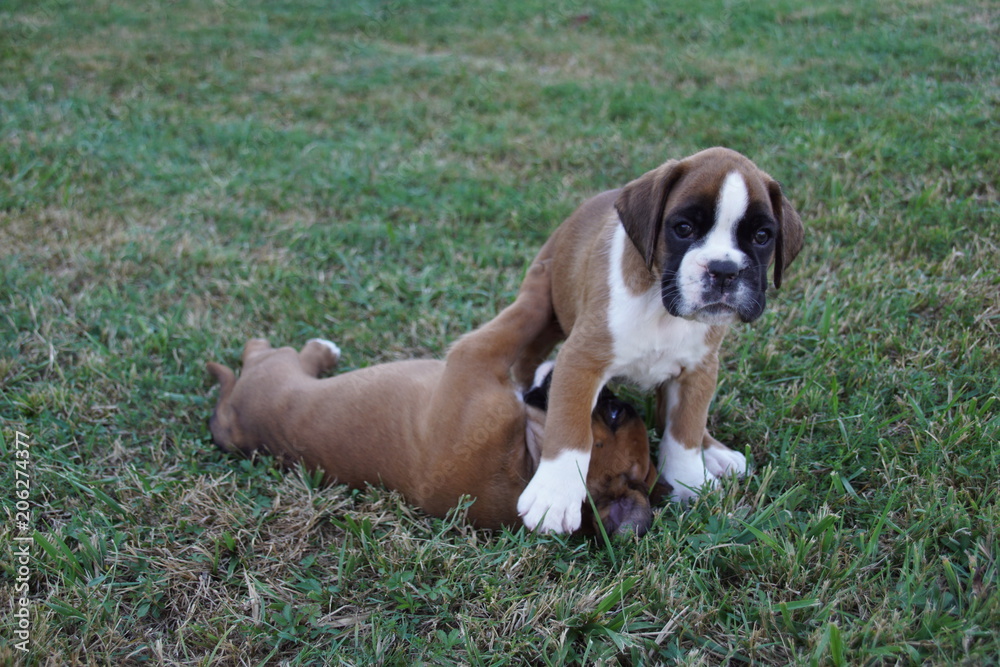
(552, 501)
(692, 472)
(686, 470)
(331, 346)
(721, 461)
(319, 356)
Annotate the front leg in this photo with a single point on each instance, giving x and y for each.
(552, 500)
(689, 458)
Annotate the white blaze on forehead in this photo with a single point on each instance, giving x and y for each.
(720, 242)
(733, 201)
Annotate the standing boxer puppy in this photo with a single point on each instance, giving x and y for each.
(433, 430)
(645, 282)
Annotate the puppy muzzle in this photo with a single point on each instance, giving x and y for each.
(728, 295)
(630, 513)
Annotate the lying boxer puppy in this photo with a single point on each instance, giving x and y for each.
(645, 282)
(433, 430)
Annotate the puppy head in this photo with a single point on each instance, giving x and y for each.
(709, 226)
(621, 473)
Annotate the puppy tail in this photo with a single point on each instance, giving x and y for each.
(225, 377)
(222, 422)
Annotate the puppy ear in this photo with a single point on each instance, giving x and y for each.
(790, 231)
(641, 204)
(538, 395)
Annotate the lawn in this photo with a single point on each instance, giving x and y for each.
(177, 176)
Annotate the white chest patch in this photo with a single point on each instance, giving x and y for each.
(650, 345)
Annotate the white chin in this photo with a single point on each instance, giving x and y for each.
(715, 315)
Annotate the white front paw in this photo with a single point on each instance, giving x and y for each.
(552, 500)
(330, 345)
(722, 461)
(692, 472)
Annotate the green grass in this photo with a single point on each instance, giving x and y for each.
(180, 176)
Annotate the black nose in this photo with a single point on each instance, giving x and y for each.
(723, 272)
(628, 514)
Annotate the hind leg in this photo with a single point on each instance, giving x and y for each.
(318, 356)
(254, 348)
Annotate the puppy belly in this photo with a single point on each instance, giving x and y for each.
(694, 471)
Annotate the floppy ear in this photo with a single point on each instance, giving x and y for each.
(641, 204)
(790, 231)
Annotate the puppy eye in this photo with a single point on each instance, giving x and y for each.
(614, 416)
(683, 229)
(762, 236)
